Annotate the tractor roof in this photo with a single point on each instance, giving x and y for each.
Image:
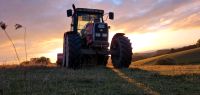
(87, 10)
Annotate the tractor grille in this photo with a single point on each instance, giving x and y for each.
(101, 32)
(101, 38)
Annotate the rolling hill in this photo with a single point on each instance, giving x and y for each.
(187, 57)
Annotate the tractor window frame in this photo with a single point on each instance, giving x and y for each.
(82, 26)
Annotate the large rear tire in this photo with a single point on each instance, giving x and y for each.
(72, 50)
(121, 51)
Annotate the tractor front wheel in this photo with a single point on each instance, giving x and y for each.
(121, 51)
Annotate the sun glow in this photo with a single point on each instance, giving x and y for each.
(142, 42)
(160, 39)
(53, 54)
(148, 41)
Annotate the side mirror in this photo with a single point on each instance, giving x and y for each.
(69, 12)
(111, 15)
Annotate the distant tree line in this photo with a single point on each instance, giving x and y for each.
(40, 61)
(173, 50)
(183, 48)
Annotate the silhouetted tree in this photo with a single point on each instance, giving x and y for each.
(172, 50)
(40, 61)
(43, 60)
(25, 63)
(198, 43)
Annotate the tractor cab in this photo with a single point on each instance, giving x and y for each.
(89, 23)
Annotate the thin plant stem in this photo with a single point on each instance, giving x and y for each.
(25, 43)
(13, 46)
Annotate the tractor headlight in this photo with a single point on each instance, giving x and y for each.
(98, 35)
(104, 35)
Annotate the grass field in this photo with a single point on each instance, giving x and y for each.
(143, 77)
(138, 80)
(188, 57)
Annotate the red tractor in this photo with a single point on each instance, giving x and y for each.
(87, 41)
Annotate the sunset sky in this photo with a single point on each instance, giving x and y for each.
(150, 24)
